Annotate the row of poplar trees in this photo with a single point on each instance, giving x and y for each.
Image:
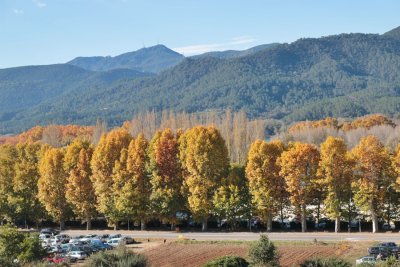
(125, 177)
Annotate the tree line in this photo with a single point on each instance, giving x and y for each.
(125, 177)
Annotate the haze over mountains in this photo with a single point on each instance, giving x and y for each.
(343, 75)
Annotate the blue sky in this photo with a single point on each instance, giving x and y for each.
(34, 32)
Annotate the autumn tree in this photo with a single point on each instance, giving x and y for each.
(106, 153)
(25, 182)
(80, 192)
(166, 197)
(232, 199)
(8, 154)
(335, 176)
(132, 197)
(204, 157)
(52, 185)
(374, 176)
(267, 186)
(299, 166)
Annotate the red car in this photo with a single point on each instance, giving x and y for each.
(59, 259)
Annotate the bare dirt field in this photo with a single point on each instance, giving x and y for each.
(197, 253)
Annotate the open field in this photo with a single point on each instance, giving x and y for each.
(196, 253)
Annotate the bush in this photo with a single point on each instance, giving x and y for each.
(117, 258)
(264, 253)
(227, 261)
(330, 262)
(15, 245)
(31, 249)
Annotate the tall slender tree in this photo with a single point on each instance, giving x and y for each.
(8, 154)
(267, 186)
(52, 185)
(166, 197)
(25, 182)
(374, 175)
(80, 191)
(106, 153)
(299, 166)
(335, 176)
(204, 157)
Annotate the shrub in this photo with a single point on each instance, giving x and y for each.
(264, 253)
(31, 249)
(117, 258)
(330, 262)
(227, 261)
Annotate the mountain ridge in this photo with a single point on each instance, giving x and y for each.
(152, 59)
(346, 75)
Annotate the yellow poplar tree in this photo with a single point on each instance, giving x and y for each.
(132, 197)
(335, 176)
(52, 185)
(80, 192)
(166, 197)
(106, 153)
(299, 166)
(267, 186)
(204, 156)
(25, 182)
(8, 154)
(374, 176)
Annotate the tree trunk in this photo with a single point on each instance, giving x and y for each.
(303, 218)
(173, 227)
(269, 221)
(374, 221)
(116, 226)
(337, 225)
(142, 224)
(318, 212)
(204, 226)
(88, 223)
(62, 225)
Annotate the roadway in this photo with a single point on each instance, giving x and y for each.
(247, 236)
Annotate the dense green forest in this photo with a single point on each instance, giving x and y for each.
(345, 75)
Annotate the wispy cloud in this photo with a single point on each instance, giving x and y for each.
(18, 11)
(39, 3)
(203, 48)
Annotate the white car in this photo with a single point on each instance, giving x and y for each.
(366, 260)
(44, 236)
(79, 255)
(87, 238)
(114, 242)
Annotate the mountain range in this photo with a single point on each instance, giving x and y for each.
(344, 75)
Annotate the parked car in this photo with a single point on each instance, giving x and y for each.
(99, 245)
(63, 238)
(45, 236)
(103, 238)
(127, 240)
(87, 237)
(60, 259)
(54, 249)
(65, 247)
(114, 236)
(79, 255)
(366, 260)
(114, 242)
(49, 231)
(384, 251)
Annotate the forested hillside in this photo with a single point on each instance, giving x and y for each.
(345, 75)
(151, 59)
